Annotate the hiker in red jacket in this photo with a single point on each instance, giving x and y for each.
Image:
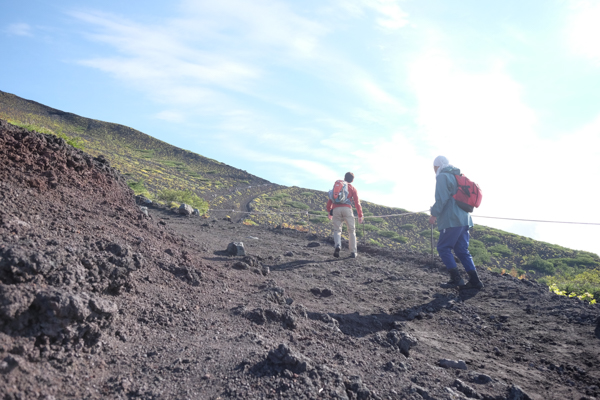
(340, 212)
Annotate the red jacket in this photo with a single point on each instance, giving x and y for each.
(353, 197)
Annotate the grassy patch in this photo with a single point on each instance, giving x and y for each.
(500, 250)
(183, 196)
(479, 252)
(296, 204)
(139, 189)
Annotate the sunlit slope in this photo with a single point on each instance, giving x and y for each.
(137, 155)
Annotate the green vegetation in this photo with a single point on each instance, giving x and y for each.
(73, 141)
(500, 250)
(479, 252)
(183, 196)
(369, 228)
(138, 188)
(490, 239)
(296, 204)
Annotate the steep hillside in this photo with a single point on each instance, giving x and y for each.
(138, 156)
(155, 165)
(99, 300)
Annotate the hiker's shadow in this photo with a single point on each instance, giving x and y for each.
(358, 325)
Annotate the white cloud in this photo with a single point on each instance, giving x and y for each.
(262, 22)
(389, 14)
(19, 29)
(583, 29)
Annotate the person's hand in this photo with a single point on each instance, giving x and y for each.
(432, 220)
(330, 217)
(361, 220)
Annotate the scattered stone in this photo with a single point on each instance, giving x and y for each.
(186, 209)
(516, 393)
(196, 212)
(460, 364)
(144, 211)
(466, 389)
(481, 379)
(313, 244)
(402, 340)
(240, 265)
(265, 270)
(316, 291)
(327, 292)
(142, 200)
(236, 249)
(289, 254)
(284, 356)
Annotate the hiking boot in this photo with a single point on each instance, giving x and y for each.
(474, 282)
(455, 280)
(353, 255)
(336, 252)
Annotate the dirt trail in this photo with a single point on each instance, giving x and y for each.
(98, 301)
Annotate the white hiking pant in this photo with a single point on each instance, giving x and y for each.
(341, 214)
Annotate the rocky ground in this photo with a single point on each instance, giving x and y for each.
(98, 300)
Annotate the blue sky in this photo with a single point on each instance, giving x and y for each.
(301, 92)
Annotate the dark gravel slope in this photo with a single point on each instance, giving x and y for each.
(99, 301)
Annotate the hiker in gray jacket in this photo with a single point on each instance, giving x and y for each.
(453, 224)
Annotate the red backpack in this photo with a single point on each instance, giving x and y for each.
(339, 193)
(468, 194)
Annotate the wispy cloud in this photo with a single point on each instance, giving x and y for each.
(388, 13)
(19, 29)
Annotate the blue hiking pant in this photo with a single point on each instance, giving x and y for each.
(456, 239)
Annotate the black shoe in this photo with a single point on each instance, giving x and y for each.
(455, 280)
(336, 252)
(474, 282)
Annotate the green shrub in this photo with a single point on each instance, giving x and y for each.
(374, 220)
(374, 242)
(500, 250)
(388, 234)
(183, 196)
(400, 239)
(479, 252)
(525, 242)
(490, 239)
(296, 204)
(321, 220)
(542, 266)
(318, 212)
(427, 233)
